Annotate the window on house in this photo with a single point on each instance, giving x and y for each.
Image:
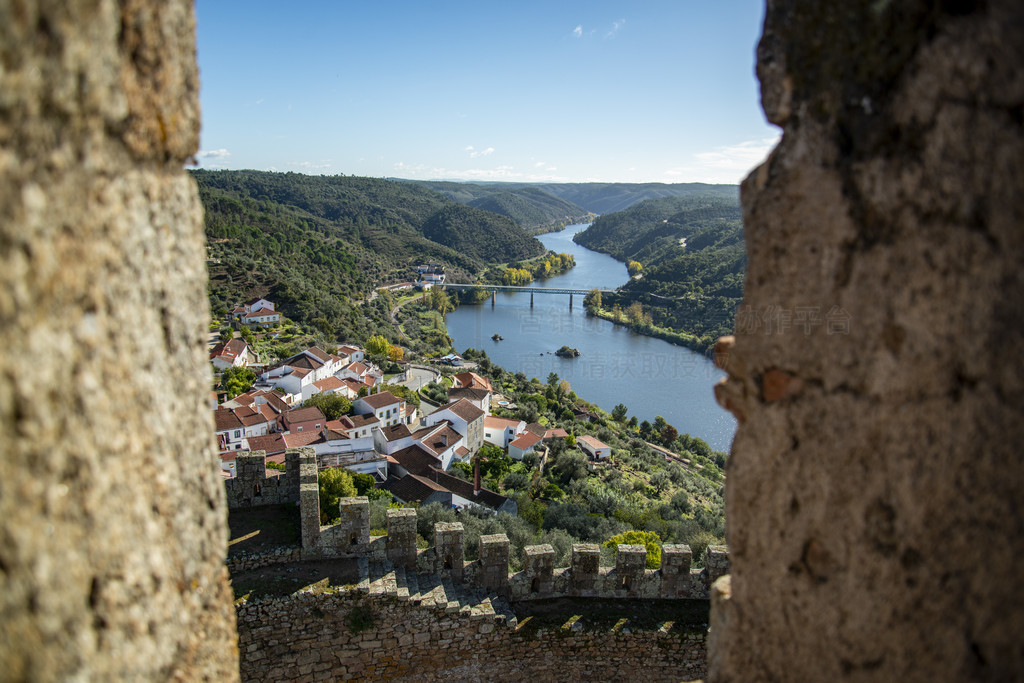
(299, 429)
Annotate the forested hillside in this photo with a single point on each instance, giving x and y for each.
(532, 208)
(316, 244)
(689, 260)
(605, 198)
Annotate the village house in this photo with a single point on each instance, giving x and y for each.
(523, 444)
(385, 406)
(418, 477)
(352, 353)
(501, 431)
(443, 442)
(465, 418)
(231, 353)
(258, 304)
(303, 420)
(594, 448)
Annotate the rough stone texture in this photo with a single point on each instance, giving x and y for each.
(112, 546)
(253, 485)
(494, 552)
(875, 480)
(450, 549)
(401, 539)
(351, 535)
(309, 637)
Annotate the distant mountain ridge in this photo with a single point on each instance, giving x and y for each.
(535, 206)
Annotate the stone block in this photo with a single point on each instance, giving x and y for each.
(450, 548)
(675, 569)
(401, 540)
(538, 566)
(717, 562)
(494, 552)
(585, 565)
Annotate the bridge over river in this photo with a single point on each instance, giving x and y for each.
(514, 289)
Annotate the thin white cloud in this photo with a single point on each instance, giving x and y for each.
(213, 154)
(469, 149)
(539, 164)
(616, 25)
(725, 164)
(480, 153)
(314, 165)
(578, 31)
(423, 172)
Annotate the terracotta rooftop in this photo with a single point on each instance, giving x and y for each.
(416, 459)
(378, 401)
(463, 408)
(501, 422)
(526, 440)
(441, 440)
(329, 384)
(309, 414)
(396, 432)
(464, 489)
(412, 488)
(592, 442)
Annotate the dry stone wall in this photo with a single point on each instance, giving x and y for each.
(113, 537)
(875, 481)
(310, 637)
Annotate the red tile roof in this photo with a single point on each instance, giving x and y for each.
(300, 439)
(225, 419)
(310, 414)
(272, 443)
(463, 408)
(493, 422)
(464, 488)
(329, 384)
(441, 440)
(229, 350)
(592, 442)
(319, 353)
(378, 401)
(412, 488)
(396, 432)
(527, 440)
(416, 459)
(471, 379)
(359, 421)
(555, 434)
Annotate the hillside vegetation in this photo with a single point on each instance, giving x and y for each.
(533, 209)
(605, 198)
(317, 245)
(689, 258)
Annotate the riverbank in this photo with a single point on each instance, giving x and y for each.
(702, 345)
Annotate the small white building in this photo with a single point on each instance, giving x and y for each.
(594, 448)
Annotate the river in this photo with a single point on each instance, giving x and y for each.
(650, 376)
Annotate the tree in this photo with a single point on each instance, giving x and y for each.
(592, 301)
(333, 406)
(553, 379)
(395, 353)
(634, 268)
(668, 435)
(515, 481)
(237, 380)
(226, 333)
(619, 412)
(377, 345)
(660, 480)
(569, 466)
(648, 539)
(335, 483)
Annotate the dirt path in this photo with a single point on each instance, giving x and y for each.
(394, 314)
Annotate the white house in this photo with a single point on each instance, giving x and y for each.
(523, 444)
(502, 431)
(262, 318)
(443, 442)
(385, 406)
(231, 353)
(393, 438)
(594, 448)
(466, 419)
(353, 353)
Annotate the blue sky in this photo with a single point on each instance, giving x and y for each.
(554, 91)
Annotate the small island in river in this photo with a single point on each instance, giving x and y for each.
(567, 352)
(496, 337)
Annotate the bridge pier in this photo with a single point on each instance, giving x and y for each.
(531, 299)
(570, 302)
(492, 298)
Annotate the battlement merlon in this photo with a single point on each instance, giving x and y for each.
(401, 540)
(494, 554)
(450, 546)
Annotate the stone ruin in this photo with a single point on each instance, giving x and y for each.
(350, 538)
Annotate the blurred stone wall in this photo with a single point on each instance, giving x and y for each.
(875, 485)
(113, 536)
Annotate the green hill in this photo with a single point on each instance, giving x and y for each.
(693, 261)
(605, 198)
(531, 208)
(315, 244)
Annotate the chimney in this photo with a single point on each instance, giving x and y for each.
(476, 478)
